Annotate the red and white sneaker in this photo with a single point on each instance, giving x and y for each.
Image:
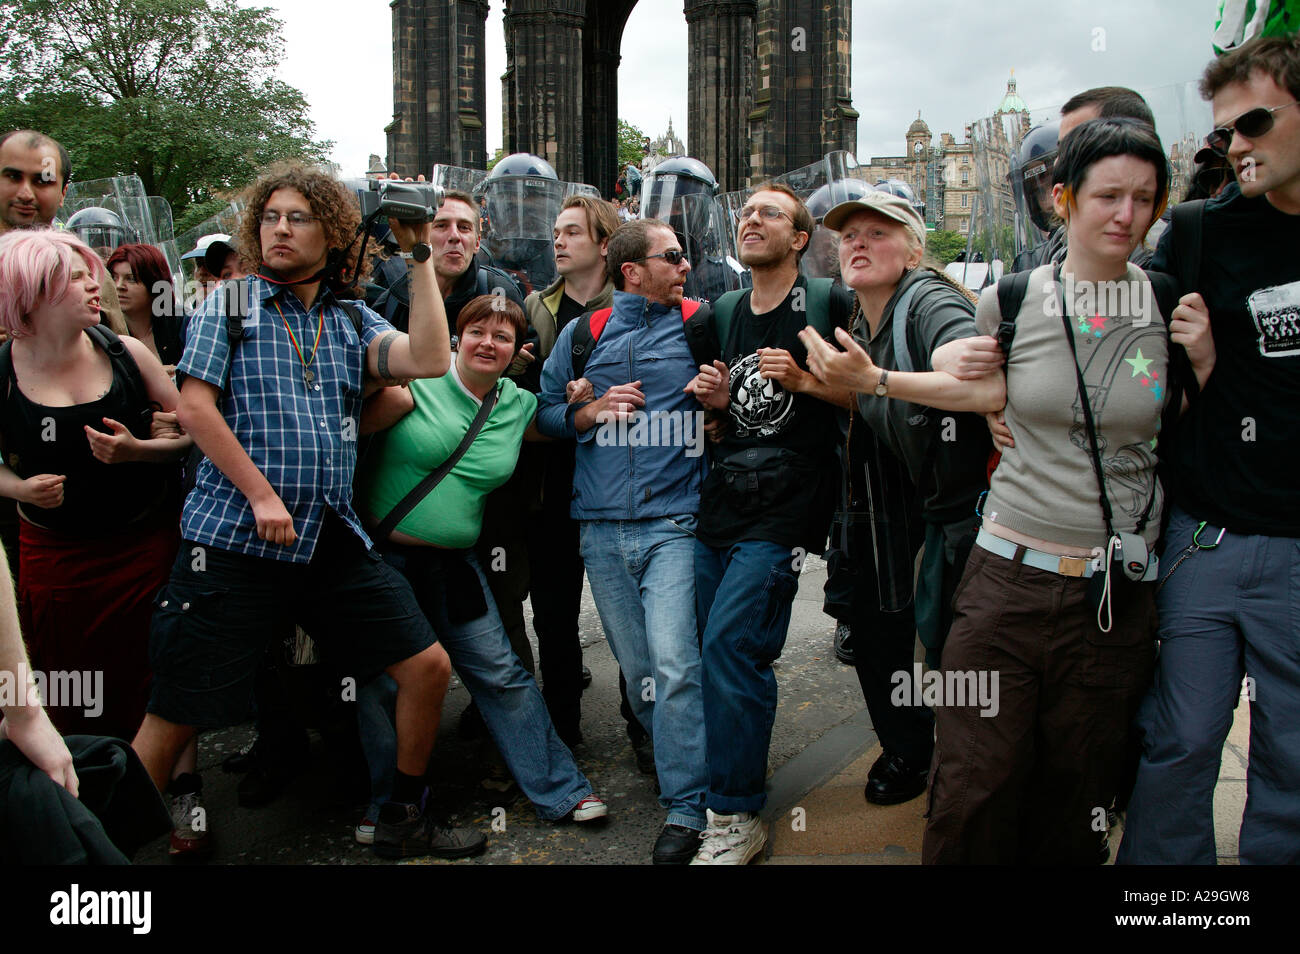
(589, 809)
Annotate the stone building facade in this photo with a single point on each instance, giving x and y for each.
(768, 84)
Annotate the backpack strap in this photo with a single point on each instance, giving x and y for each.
(819, 305)
(126, 366)
(724, 310)
(698, 319)
(1011, 296)
(586, 330)
(1188, 224)
(1165, 289)
(902, 347)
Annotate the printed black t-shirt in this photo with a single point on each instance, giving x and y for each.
(775, 475)
(1237, 456)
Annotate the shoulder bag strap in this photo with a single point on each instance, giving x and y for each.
(424, 487)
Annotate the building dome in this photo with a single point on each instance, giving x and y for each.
(1011, 102)
(918, 127)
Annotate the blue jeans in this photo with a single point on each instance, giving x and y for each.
(743, 595)
(642, 576)
(507, 696)
(1239, 598)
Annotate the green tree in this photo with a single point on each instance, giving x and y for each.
(944, 246)
(181, 93)
(629, 145)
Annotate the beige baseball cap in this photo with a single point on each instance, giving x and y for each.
(887, 204)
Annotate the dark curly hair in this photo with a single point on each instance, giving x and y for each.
(331, 202)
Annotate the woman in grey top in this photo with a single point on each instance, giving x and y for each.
(1052, 634)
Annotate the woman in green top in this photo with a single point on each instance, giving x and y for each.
(432, 547)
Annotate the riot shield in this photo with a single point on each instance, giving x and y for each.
(704, 230)
(225, 222)
(520, 214)
(144, 218)
(996, 228)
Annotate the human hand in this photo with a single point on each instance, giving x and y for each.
(779, 365)
(968, 358)
(1189, 326)
(28, 727)
(116, 448)
(997, 422)
(43, 490)
(274, 525)
(522, 360)
(579, 392)
(619, 403)
(165, 424)
(712, 386)
(851, 368)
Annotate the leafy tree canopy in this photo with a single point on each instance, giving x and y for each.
(182, 93)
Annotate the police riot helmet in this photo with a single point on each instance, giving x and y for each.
(833, 193)
(522, 164)
(904, 191)
(99, 228)
(1031, 175)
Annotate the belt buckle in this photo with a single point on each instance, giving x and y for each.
(1073, 566)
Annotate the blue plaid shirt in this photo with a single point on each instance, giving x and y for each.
(303, 439)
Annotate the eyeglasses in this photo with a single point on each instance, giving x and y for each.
(769, 212)
(674, 256)
(1252, 123)
(271, 219)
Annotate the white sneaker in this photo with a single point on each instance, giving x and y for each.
(731, 839)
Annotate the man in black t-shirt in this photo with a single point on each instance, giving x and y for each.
(1236, 494)
(766, 504)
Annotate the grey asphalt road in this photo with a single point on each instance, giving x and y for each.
(313, 821)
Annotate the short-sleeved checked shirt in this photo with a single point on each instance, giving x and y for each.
(303, 439)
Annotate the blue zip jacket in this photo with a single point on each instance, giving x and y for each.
(654, 464)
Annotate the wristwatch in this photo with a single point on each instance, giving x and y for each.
(420, 252)
(882, 387)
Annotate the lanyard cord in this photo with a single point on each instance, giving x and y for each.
(306, 362)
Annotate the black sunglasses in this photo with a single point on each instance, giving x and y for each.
(674, 256)
(1252, 123)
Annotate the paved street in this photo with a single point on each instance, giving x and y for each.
(821, 749)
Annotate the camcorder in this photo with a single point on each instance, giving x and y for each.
(411, 202)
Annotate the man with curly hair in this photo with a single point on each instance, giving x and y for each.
(273, 398)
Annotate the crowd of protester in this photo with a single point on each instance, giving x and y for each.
(1099, 491)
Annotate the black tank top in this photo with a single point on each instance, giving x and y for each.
(98, 498)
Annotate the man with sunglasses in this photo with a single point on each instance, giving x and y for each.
(636, 491)
(1228, 600)
(766, 504)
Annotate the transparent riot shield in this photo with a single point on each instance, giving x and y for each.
(704, 230)
(520, 214)
(225, 222)
(995, 228)
(142, 218)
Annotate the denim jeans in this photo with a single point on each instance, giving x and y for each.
(642, 576)
(743, 596)
(1237, 602)
(506, 695)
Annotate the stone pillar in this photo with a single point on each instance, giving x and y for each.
(546, 119)
(439, 86)
(802, 104)
(601, 42)
(720, 84)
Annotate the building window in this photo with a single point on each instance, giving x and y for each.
(965, 177)
(963, 201)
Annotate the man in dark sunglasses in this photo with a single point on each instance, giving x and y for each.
(1229, 604)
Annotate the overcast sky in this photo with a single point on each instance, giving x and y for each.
(951, 61)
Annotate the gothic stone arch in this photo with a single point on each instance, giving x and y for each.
(768, 84)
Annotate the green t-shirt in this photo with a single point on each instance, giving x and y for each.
(452, 514)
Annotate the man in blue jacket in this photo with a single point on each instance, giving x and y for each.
(636, 489)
